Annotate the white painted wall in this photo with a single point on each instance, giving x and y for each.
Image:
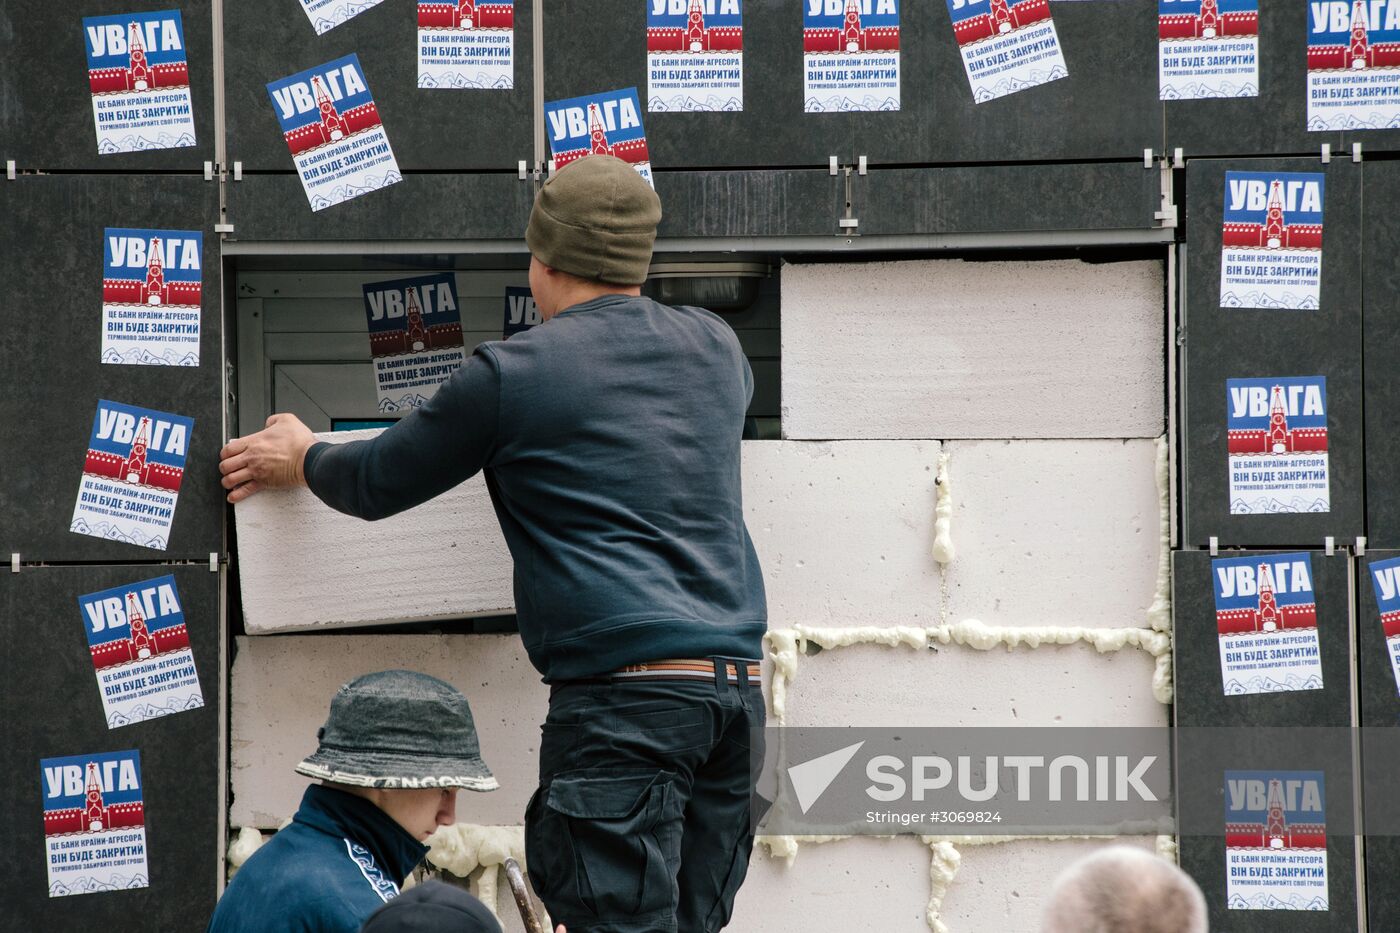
(1056, 367)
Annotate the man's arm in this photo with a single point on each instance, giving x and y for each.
(429, 451)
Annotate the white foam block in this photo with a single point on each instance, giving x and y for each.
(1054, 685)
(281, 690)
(853, 884)
(305, 566)
(954, 349)
(1054, 532)
(844, 530)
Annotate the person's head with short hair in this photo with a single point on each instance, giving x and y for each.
(432, 907)
(1122, 889)
(406, 742)
(591, 233)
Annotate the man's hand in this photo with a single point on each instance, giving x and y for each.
(266, 460)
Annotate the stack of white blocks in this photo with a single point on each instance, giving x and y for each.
(1043, 381)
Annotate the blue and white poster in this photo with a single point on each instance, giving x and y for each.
(850, 55)
(325, 15)
(521, 312)
(131, 476)
(140, 650)
(1007, 45)
(695, 55)
(1266, 617)
(1275, 840)
(1353, 64)
(151, 290)
(1385, 581)
(140, 81)
(1277, 441)
(94, 823)
(1271, 240)
(331, 125)
(466, 45)
(415, 338)
(609, 123)
(1207, 48)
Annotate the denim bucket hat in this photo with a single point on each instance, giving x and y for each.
(399, 729)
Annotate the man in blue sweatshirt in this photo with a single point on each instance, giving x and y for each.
(393, 753)
(609, 439)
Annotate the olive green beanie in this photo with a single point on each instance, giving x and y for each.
(596, 219)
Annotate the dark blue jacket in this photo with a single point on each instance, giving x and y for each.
(609, 436)
(340, 860)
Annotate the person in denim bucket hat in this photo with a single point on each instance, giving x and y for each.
(392, 755)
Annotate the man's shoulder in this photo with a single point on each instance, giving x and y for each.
(301, 880)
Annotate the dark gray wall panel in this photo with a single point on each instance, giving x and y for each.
(53, 379)
(601, 45)
(994, 198)
(437, 207)
(754, 203)
(45, 103)
(1202, 757)
(1200, 695)
(53, 709)
(1228, 343)
(1275, 122)
(1381, 301)
(1106, 109)
(266, 40)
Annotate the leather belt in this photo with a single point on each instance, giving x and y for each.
(684, 669)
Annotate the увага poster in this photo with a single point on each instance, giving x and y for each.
(151, 288)
(609, 123)
(695, 55)
(850, 55)
(1271, 241)
(94, 823)
(1007, 45)
(1207, 48)
(141, 651)
(1277, 436)
(1385, 580)
(521, 312)
(1266, 615)
(131, 477)
(140, 81)
(415, 338)
(1275, 840)
(1353, 64)
(466, 45)
(325, 15)
(332, 127)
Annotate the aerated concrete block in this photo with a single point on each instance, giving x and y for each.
(954, 349)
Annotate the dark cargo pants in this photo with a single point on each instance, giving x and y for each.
(641, 821)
